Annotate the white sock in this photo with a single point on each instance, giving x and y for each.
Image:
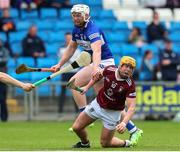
(127, 143)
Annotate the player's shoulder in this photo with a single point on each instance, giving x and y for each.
(91, 26)
(110, 68)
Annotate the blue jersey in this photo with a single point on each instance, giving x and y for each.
(89, 34)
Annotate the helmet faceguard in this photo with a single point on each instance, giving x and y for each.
(83, 9)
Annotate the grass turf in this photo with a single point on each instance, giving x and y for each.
(158, 136)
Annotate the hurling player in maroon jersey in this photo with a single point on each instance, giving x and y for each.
(119, 87)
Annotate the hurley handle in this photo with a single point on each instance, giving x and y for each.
(41, 81)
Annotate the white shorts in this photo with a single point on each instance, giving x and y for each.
(110, 118)
(106, 62)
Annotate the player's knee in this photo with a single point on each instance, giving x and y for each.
(105, 143)
(76, 127)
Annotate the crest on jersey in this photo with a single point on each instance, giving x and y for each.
(121, 89)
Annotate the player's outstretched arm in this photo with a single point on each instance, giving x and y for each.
(7, 79)
(131, 107)
(27, 86)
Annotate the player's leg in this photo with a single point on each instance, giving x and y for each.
(108, 139)
(79, 125)
(110, 119)
(97, 86)
(81, 79)
(62, 99)
(135, 133)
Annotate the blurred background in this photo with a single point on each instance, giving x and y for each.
(35, 32)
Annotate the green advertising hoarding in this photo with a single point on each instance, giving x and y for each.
(158, 97)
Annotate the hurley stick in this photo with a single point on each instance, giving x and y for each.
(71, 85)
(23, 68)
(83, 60)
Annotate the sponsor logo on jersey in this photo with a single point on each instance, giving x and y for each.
(108, 97)
(83, 37)
(94, 35)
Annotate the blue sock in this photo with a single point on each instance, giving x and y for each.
(131, 127)
(81, 109)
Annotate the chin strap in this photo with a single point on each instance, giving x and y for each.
(85, 20)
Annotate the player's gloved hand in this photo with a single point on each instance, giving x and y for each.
(121, 127)
(56, 67)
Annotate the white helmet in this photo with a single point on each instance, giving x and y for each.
(81, 8)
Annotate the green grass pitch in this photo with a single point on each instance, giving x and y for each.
(36, 135)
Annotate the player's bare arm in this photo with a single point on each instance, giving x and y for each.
(71, 48)
(131, 105)
(96, 47)
(7, 79)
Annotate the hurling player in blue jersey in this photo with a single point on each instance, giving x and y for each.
(91, 38)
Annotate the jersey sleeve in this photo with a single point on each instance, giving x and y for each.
(94, 34)
(108, 69)
(104, 71)
(131, 92)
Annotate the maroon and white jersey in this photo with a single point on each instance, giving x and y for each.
(113, 94)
